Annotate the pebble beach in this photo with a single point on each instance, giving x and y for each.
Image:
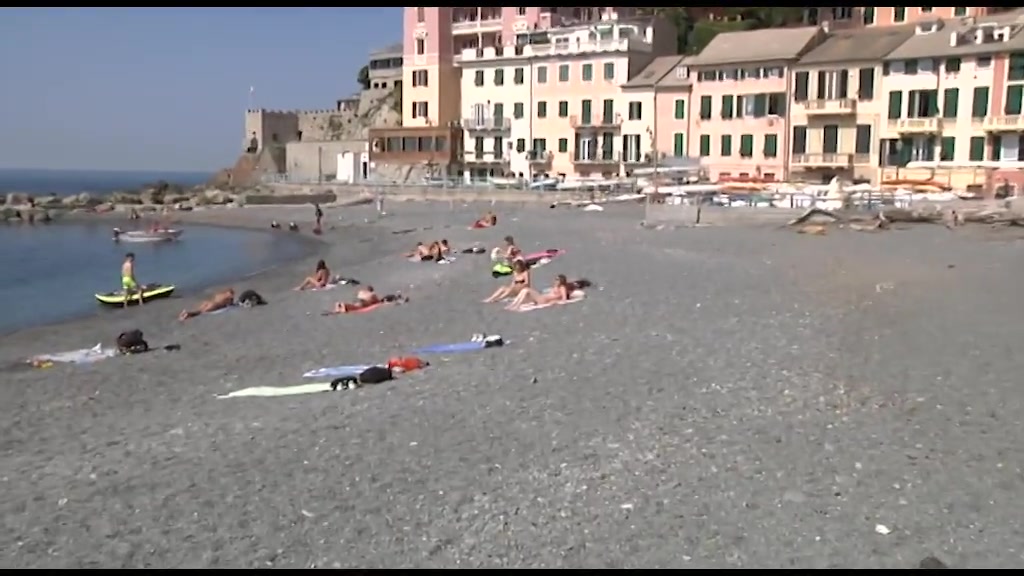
(724, 397)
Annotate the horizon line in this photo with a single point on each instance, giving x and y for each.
(120, 170)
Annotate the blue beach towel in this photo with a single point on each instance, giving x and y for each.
(476, 344)
(337, 371)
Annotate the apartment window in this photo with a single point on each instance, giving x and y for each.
(899, 14)
(959, 11)
(868, 16)
(586, 112)
(631, 147)
(521, 11)
(947, 149)
(518, 76)
(588, 72)
(777, 104)
(421, 15)
(922, 148)
(1009, 148)
(977, 152)
(800, 89)
(563, 72)
(608, 111)
(679, 145)
(540, 145)
(542, 75)
(542, 109)
(952, 65)
(983, 62)
(499, 147)
(830, 139)
(862, 143)
(635, 110)
(705, 145)
(726, 145)
(609, 70)
(833, 85)
(926, 10)
(419, 78)
(499, 77)
(563, 145)
(705, 107)
(478, 146)
(1016, 68)
(421, 46)
(521, 145)
(563, 109)
(922, 104)
(499, 113)
(478, 78)
(1014, 93)
(979, 106)
(799, 139)
(727, 106)
(747, 145)
(771, 145)
(518, 110)
(950, 102)
(895, 105)
(866, 84)
(680, 109)
(420, 109)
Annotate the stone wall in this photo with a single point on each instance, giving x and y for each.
(309, 161)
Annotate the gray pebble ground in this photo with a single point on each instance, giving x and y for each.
(728, 397)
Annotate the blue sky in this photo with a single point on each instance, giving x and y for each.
(166, 88)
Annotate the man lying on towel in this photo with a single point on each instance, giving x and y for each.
(219, 301)
(365, 298)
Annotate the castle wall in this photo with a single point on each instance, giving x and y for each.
(309, 160)
(270, 126)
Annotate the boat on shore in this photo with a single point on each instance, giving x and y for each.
(159, 235)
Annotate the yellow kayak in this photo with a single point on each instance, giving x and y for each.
(150, 292)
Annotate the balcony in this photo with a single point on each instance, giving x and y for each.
(837, 159)
(636, 159)
(554, 49)
(486, 157)
(1004, 123)
(831, 107)
(610, 122)
(476, 20)
(916, 125)
(540, 158)
(486, 124)
(594, 157)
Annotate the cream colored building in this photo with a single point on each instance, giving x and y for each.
(663, 88)
(553, 104)
(838, 109)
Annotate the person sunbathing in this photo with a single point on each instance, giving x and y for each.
(443, 248)
(365, 298)
(219, 301)
(321, 277)
(511, 252)
(488, 220)
(558, 293)
(427, 252)
(520, 282)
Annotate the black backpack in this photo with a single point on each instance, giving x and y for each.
(251, 298)
(372, 375)
(132, 342)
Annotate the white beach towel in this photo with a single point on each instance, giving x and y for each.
(83, 356)
(273, 391)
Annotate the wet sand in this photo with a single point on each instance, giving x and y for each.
(730, 397)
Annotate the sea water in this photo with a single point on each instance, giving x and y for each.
(50, 273)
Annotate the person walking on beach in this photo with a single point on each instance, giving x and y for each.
(128, 283)
(318, 213)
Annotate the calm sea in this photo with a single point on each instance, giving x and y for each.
(51, 273)
(67, 182)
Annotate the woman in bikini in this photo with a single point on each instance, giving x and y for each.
(321, 277)
(487, 221)
(520, 282)
(558, 293)
(364, 298)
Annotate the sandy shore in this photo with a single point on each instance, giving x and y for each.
(727, 398)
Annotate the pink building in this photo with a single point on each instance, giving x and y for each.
(739, 102)
(850, 16)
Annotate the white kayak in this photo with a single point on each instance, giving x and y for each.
(164, 235)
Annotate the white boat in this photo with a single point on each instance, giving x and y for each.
(161, 235)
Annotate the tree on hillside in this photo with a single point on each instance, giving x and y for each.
(697, 29)
(364, 77)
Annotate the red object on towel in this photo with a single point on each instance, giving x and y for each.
(407, 363)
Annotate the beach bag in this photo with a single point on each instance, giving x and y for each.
(132, 342)
(251, 298)
(375, 375)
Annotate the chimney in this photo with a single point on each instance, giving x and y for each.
(953, 37)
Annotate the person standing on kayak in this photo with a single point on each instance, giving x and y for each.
(128, 283)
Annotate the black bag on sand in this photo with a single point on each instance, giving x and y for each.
(372, 375)
(132, 342)
(251, 298)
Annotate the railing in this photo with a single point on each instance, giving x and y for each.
(540, 157)
(922, 125)
(831, 106)
(594, 157)
(486, 124)
(1003, 123)
(634, 44)
(609, 121)
(487, 157)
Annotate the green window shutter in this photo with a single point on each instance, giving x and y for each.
(679, 145)
(979, 107)
(866, 84)
(478, 78)
(517, 110)
(521, 145)
(953, 64)
(933, 103)
(542, 109)
(1016, 71)
(608, 110)
(499, 111)
(563, 109)
(499, 77)
(585, 112)
(895, 104)
(906, 148)
(705, 107)
(563, 144)
(950, 102)
(799, 143)
(542, 75)
(563, 73)
(862, 145)
(727, 103)
(726, 145)
(705, 145)
(680, 109)
(747, 145)
(771, 145)
(977, 153)
(518, 76)
(760, 105)
(800, 87)
(947, 149)
(1014, 93)
(588, 72)
(609, 70)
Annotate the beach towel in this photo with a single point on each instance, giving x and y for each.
(224, 309)
(337, 371)
(83, 356)
(549, 253)
(478, 343)
(576, 296)
(274, 391)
